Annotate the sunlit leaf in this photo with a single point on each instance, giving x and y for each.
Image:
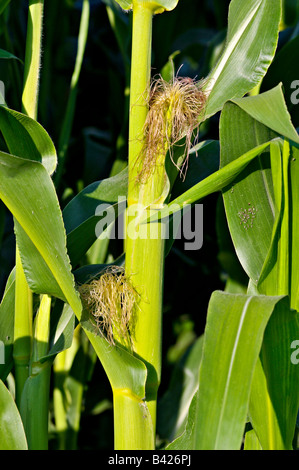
(244, 60)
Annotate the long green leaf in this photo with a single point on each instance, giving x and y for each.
(227, 367)
(261, 197)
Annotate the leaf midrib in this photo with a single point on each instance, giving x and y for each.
(232, 360)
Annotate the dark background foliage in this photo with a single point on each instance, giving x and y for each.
(193, 33)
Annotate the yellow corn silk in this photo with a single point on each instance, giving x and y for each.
(111, 301)
(176, 108)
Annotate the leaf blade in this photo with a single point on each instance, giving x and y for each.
(244, 60)
(12, 435)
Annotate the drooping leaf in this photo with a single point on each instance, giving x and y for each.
(269, 108)
(99, 201)
(38, 274)
(26, 138)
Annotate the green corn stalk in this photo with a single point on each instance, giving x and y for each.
(144, 255)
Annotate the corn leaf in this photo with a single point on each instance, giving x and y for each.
(251, 441)
(274, 399)
(244, 60)
(26, 138)
(12, 435)
(262, 201)
(250, 212)
(270, 109)
(226, 371)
